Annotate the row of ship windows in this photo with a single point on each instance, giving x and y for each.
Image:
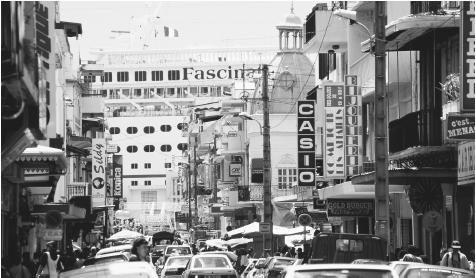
(149, 165)
(135, 183)
(147, 129)
(151, 148)
(123, 76)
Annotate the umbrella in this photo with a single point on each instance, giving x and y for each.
(125, 234)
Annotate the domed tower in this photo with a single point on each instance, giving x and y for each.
(293, 71)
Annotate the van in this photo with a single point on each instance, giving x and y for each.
(345, 248)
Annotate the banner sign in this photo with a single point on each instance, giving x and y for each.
(460, 127)
(353, 126)
(466, 163)
(350, 207)
(334, 156)
(117, 189)
(467, 56)
(181, 217)
(306, 143)
(98, 190)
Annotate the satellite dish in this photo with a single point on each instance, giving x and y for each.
(304, 219)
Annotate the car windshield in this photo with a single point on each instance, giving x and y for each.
(343, 273)
(211, 262)
(434, 272)
(176, 262)
(178, 250)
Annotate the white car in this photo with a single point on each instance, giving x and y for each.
(113, 270)
(340, 270)
(210, 265)
(175, 266)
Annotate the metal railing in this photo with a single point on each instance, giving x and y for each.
(77, 189)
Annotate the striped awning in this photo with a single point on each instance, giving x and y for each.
(44, 154)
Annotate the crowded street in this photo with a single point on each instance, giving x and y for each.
(247, 139)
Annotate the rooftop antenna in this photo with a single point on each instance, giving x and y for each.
(292, 7)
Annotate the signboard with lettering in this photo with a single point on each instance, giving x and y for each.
(334, 156)
(306, 143)
(98, 189)
(235, 169)
(53, 234)
(460, 127)
(265, 227)
(117, 188)
(466, 163)
(467, 57)
(350, 207)
(353, 126)
(181, 217)
(112, 148)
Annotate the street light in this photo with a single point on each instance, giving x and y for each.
(247, 116)
(352, 16)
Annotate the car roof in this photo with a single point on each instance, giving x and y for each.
(179, 257)
(211, 255)
(121, 269)
(114, 249)
(439, 267)
(107, 255)
(341, 266)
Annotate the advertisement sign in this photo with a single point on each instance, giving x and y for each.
(353, 127)
(181, 217)
(256, 193)
(235, 170)
(117, 176)
(334, 156)
(467, 56)
(98, 190)
(460, 127)
(306, 143)
(466, 163)
(350, 207)
(53, 234)
(112, 148)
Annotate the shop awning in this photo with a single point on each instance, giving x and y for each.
(408, 176)
(44, 154)
(79, 145)
(350, 190)
(406, 32)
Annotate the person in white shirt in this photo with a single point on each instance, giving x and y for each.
(455, 258)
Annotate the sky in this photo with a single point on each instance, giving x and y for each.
(200, 23)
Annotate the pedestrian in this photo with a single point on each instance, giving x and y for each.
(443, 251)
(291, 253)
(139, 250)
(50, 264)
(413, 250)
(455, 258)
(18, 270)
(300, 254)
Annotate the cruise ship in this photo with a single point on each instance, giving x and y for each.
(146, 98)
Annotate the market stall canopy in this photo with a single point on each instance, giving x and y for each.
(253, 229)
(163, 236)
(223, 244)
(125, 234)
(298, 238)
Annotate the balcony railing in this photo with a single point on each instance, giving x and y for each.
(421, 128)
(77, 189)
(148, 113)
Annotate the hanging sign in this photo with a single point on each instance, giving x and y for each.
(334, 156)
(466, 163)
(467, 56)
(460, 127)
(306, 143)
(353, 126)
(117, 187)
(98, 190)
(350, 207)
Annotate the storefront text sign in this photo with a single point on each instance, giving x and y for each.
(353, 126)
(98, 191)
(466, 163)
(117, 176)
(334, 157)
(460, 127)
(350, 207)
(235, 170)
(306, 143)
(467, 56)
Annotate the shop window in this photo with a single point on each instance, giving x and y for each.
(137, 92)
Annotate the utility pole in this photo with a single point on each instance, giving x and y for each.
(268, 211)
(189, 189)
(195, 178)
(382, 228)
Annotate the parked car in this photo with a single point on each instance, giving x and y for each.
(210, 265)
(157, 251)
(340, 270)
(273, 266)
(175, 266)
(252, 273)
(345, 248)
(112, 270)
(176, 250)
(107, 258)
(400, 266)
(433, 271)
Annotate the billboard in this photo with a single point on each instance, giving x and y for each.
(467, 56)
(117, 187)
(350, 207)
(306, 143)
(460, 127)
(466, 163)
(98, 190)
(334, 155)
(353, 126)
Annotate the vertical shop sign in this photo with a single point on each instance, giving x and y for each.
(98, 152)
(334, 157)
(117, 176)
(306, 143)
(353, 126)
(467, 56)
